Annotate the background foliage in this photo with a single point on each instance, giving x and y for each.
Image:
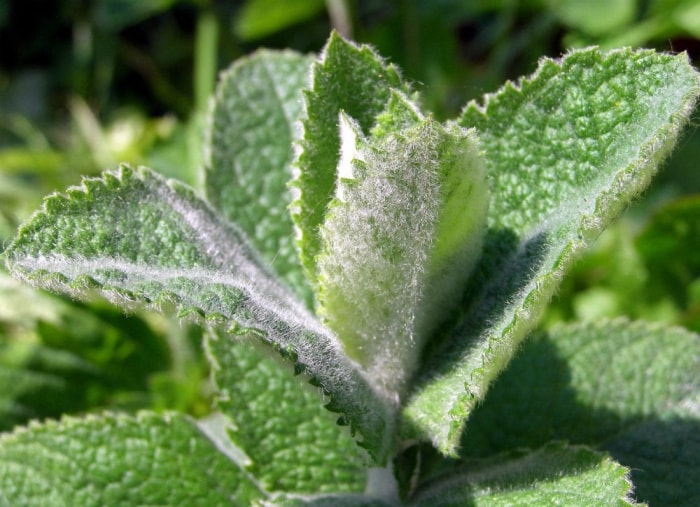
(91, 83)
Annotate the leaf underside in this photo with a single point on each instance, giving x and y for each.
(566, 150)
(135, 238)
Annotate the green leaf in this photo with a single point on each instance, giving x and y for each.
(670, 245)
(258, 18)
(596, 17)
(135, 238)
(294, 444)
(628, 387)
(553, 475)
(685, 16)
(119, 460)
(23, 391)
(251, 127)
(331, 500)
(59, 356)
(116, 15)
(400, 239)
(348, 78)
(566, 150)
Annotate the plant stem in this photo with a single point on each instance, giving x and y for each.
(381, 484)
(339, 13)
(206, 36)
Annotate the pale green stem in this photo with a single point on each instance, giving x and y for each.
(381, 484)
(206, 37)
(339, 12)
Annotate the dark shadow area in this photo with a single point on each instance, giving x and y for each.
(507, 265)
(476, 481)
(91, 357)
(533, 403)
(503, 269)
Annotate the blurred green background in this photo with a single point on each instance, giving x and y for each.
(86, 84)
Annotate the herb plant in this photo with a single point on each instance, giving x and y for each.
(359, 317)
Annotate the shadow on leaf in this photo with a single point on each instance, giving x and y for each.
(535, 402)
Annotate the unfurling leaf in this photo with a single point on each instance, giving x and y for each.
(400, 238)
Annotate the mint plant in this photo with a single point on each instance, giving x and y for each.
(366, 273)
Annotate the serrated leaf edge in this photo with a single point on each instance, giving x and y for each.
(628, 182)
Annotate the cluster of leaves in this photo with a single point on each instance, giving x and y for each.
(170, 49)
(413, 288)
(64, 111)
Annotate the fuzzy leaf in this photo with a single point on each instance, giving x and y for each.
(566, 150)
(118, 460)
(294, 444)
(135, 238)
(348, 78)
(399, 240)
(251, 127)
(554, 475)
(628, 387)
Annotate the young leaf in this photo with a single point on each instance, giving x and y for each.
(565, 150)
(348, 78)
(119, 460)
(294, 444)
(399, 240)
(628, 387)
(554, 475)
(251, 127)
(133, 237)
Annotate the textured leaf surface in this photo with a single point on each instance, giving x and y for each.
(554, 475)
(348, 78)
(337, 500)
(118, 460)
(630, 388)
(565, 151)
(249, 148)
(135, 238)
(399, 240)
(294, 444)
